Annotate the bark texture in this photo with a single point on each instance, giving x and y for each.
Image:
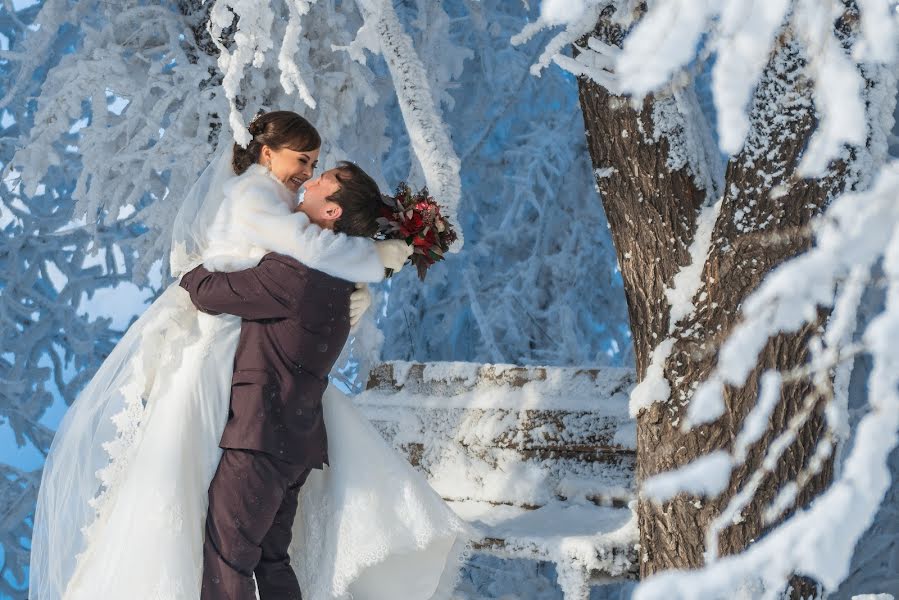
(652, 210)
(650, 205)
(763, 221)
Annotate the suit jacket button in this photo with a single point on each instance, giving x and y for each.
(299, 411)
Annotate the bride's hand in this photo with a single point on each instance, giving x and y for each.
(360, 300)
(393, 253)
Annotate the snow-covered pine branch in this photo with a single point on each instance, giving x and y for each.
(578, 18)
(252, 40)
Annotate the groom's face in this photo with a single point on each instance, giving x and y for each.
(315, 204)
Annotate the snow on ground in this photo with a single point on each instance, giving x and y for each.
(486, 577)
(577, 538)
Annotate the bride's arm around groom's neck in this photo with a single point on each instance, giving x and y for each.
(261, 214)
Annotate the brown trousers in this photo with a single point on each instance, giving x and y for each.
(252, 504)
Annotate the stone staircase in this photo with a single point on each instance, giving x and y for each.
(540, 460)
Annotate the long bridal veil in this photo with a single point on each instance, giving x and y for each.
(100, 431)
(193, 222)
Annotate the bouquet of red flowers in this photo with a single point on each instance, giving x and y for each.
(416, 218)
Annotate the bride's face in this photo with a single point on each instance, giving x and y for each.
(290, 167)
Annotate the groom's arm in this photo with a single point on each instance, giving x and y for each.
(250, 294)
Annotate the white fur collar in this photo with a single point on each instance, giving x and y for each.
(286, 196)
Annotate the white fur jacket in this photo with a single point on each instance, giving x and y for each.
(257, 216)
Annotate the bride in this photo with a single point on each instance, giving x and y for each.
(123, 497)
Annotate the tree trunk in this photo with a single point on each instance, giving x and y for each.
(650, 206)
(756, 230)
(763, 220)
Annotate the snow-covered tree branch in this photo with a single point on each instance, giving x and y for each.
(738, 406)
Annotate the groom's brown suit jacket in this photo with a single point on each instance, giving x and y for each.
(295, 323)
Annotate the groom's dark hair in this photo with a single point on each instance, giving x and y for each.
(360, 201)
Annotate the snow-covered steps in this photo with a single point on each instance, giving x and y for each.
(540, 459)
(587, 543)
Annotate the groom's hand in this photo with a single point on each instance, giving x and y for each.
(393, 253)
(360, 300)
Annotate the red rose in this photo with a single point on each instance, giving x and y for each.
(416, 222)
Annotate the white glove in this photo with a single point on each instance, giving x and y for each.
(393, 253)
(360, 300)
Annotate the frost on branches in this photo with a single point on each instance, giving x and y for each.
(536, 273)
(51, 267)
(110, 110)
(757, 352)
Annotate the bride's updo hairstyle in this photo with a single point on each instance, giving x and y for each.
(277, 129)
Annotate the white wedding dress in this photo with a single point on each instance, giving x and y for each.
(123, 498)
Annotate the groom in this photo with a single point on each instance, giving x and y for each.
(295, 323)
